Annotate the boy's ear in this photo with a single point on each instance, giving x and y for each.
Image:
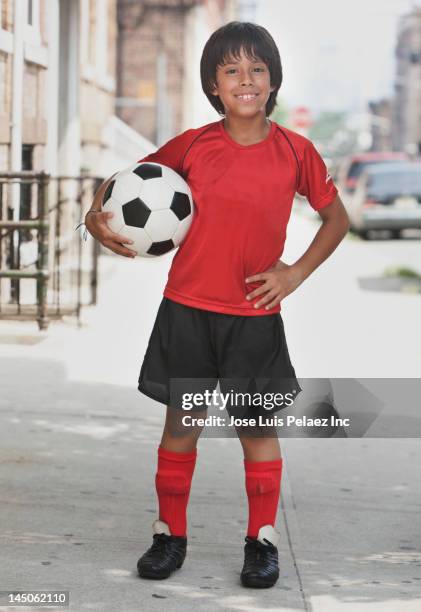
(214, 90)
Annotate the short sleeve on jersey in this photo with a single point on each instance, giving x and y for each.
(316, 184)
(172, 153)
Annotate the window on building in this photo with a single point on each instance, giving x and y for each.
(84, 30)
(101, 37)
(3, 83)
(92, 30)
(30, 12)
(3, 14)
(94, 38)
(26, 190)
(32, 33)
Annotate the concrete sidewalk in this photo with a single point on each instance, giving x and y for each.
(77, 466)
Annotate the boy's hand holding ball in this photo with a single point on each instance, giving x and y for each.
(96, 224)
(147, 205)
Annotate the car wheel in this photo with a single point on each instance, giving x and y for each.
(395, 234)
(364, 234)
(354, 230)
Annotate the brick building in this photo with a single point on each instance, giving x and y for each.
(407, 103)
(381, 124)
(63, 64)
(57, 93)
(159, 47)
(57, 82)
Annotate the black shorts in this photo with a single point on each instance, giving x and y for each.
(191, 349)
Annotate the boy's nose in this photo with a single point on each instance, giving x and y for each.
(246, 79)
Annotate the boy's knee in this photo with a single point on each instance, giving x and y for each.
(172, 482)
(175, 428)
(259, 483)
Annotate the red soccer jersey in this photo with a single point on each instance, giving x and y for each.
(243, 196)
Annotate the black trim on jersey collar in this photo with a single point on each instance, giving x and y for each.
(211, 125)
(295, 155)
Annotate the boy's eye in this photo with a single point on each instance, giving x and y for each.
(231, 69)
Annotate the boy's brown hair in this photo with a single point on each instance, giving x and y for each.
(226, 43)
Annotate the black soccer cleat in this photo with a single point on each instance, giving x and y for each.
(166, 554)
(260, 569)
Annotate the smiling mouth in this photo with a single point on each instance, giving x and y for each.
(247, 97)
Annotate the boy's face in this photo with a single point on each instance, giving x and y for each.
(236, 79)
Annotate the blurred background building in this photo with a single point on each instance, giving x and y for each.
(86, 88)
(381, 124)
(75, 76)
(159, 48)
(89, 86)
(57, 85)
(407, 102)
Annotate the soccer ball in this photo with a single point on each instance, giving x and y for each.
(152, 206)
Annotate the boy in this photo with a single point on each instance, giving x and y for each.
(220, 314)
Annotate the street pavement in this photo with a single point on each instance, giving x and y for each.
(78, 455)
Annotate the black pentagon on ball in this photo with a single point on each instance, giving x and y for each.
(180, 205)
(135, 213)
(148, 171)
(108, 191)
(159, 248)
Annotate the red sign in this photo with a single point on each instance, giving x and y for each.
(301, 117)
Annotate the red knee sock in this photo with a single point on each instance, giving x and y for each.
(173, 481)
(263, 485)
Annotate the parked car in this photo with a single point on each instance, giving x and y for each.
(387, 197)
(349, 169)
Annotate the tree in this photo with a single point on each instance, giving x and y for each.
(280, 112)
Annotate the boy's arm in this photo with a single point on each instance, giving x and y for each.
(334, 227)
(282, 279)
(96, 224)
(317, 186)
(99, 195)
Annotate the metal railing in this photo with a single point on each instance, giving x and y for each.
(44, 272)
